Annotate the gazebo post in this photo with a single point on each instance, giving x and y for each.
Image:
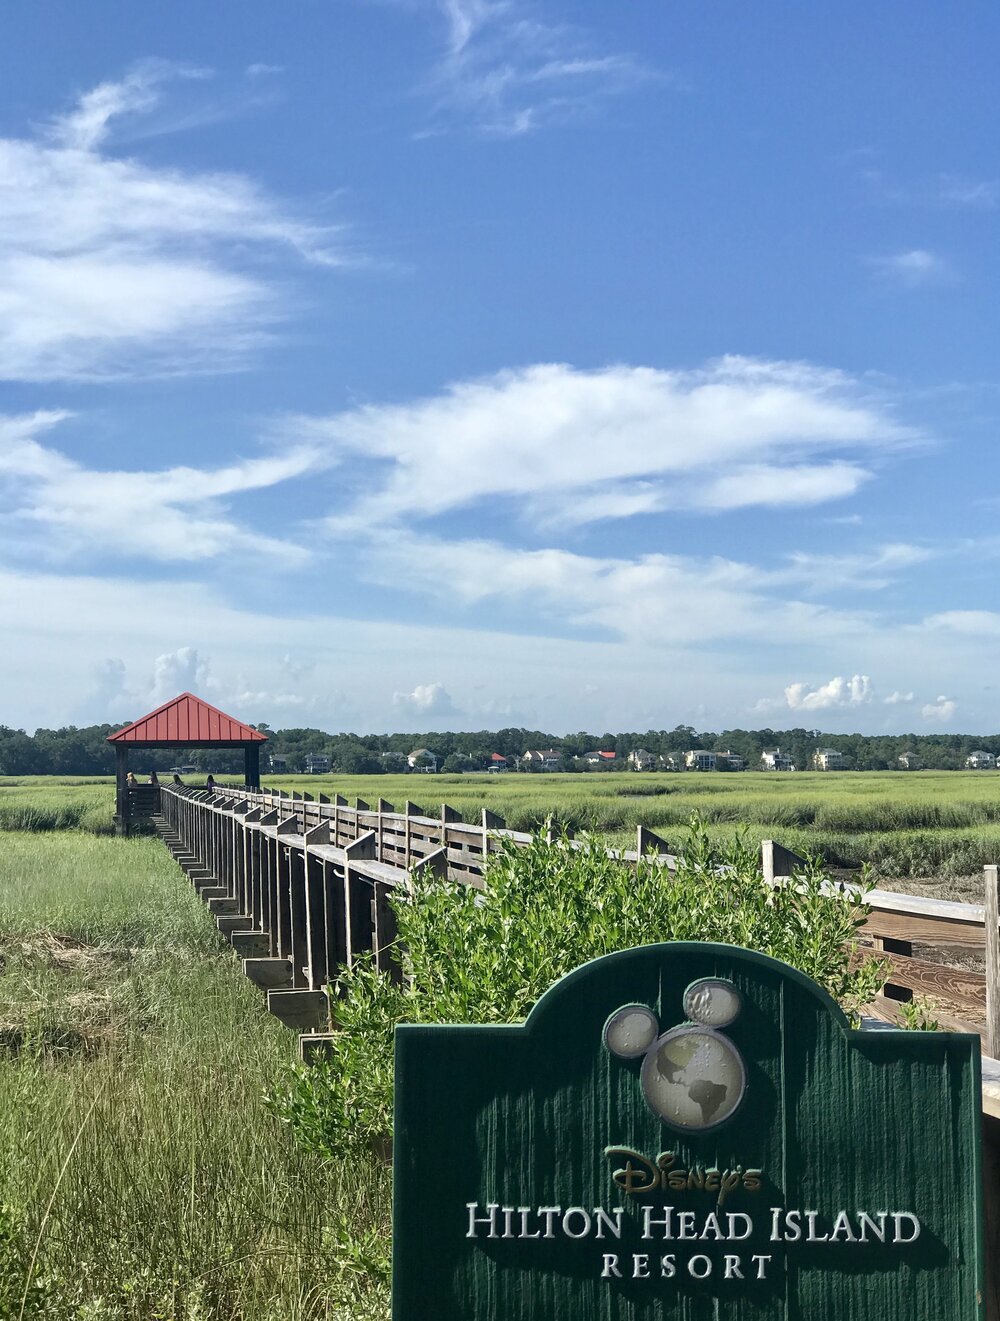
(121, 789)
(251, 765)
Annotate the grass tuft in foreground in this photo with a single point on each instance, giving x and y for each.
(142, 1177)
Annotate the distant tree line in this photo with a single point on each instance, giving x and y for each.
(73, 751)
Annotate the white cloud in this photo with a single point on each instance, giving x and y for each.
(913, 267)
(838, 692)
(973, 623)
(111, 268)
(506, 73)
(427, 699)
(558, 441)
(871, 570)
(652, 600)
(176, 672)
(59, 508)
(897, 698)
(765, 484)
(943, 709)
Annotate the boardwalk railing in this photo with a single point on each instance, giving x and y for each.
(301, 885)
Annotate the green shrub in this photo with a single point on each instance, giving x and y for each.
(486, 956)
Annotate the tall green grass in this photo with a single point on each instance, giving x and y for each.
(941, 824)
(138, 1163)
(44, 802)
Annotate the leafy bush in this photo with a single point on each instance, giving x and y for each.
(486, 956)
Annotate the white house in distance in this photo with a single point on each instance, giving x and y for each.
(598, 758)
(909, 761)
(422, 759)
(775, 760)
(699, 760)
(828, 759)
(981, 760)
(641, 760)
(316, 763)
(542, 759)
(277, 763)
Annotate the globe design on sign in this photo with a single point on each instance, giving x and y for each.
(693, 1076)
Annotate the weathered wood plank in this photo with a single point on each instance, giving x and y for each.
(958, 985)
(925, 930)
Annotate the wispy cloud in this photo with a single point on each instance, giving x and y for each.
(571, 446)
(507, 73)
(971, 623)
(897, 699)
(978, 194)
(929, 192)
(774, 485)
(913, 267)
(671, 600)
(870, 570)
(112, 268)
(57, 508)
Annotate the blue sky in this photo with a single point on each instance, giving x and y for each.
(467, 363)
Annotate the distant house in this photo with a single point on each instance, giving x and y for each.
(394, 761)
(828, 759)
(542, 759)
(670, 762)
(278, 764)
(498, 763)
(909, 761)
(641, 760)
(699, 760)
(774, 759)
(597, 758)
(316, 763)
(730, 761)
(422, 759)
(981, 761)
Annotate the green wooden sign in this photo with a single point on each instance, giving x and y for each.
(690, 1131)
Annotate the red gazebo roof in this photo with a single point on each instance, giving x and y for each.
(185, 721)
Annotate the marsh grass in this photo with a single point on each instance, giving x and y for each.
(127, 1029)
(906, 824)
(44, 802)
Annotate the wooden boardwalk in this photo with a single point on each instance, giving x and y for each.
(301, 888)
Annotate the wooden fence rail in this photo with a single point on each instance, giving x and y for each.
(301, 886)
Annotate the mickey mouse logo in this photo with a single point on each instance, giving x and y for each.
(693, 1076)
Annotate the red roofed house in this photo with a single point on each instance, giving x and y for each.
(185, 722)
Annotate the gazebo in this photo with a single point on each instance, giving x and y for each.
(185, 722)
